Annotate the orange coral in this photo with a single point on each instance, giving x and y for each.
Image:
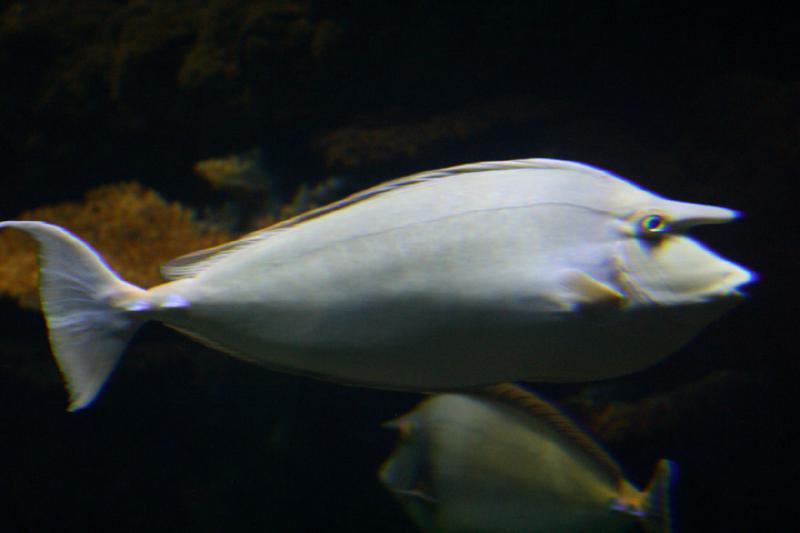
(132, 227)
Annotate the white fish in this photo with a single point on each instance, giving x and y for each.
(510, 461)
(533, 269)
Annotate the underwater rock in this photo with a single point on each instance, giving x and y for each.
(398, 138)
(614, 420)
(149, 75)
(187, 43)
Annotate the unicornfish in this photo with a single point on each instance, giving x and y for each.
(509, 461)
(531, 269)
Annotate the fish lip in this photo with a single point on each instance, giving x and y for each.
(745, 276)
(727, 288)
(731, 285)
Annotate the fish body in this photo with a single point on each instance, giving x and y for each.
(533, 269)
(472, 463)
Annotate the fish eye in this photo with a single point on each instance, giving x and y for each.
(653, 224)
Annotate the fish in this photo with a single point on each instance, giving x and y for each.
(244, 171)
(505, 460)
(522, 270)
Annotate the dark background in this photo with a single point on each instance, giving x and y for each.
(698, 103)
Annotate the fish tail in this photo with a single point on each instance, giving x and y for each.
(91, 313)
(657, 516)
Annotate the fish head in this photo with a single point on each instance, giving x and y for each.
(658, 263)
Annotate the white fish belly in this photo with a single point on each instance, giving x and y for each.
(464, 300)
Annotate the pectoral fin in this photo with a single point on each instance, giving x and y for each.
(584, 290)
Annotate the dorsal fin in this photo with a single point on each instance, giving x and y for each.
(527, 401)
(191, 264)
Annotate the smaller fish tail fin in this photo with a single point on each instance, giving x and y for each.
(91, 313)
(657, 516)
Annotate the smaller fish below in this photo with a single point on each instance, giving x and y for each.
(506, 460)
(244, 171)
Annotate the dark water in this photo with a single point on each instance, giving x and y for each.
(696, 103)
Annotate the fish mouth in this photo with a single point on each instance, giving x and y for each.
(731, 285)
(725, 285)
(680, 271)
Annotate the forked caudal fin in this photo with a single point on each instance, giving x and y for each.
(657, 516)
(84, 303)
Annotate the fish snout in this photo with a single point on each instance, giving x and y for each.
(685, 215)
